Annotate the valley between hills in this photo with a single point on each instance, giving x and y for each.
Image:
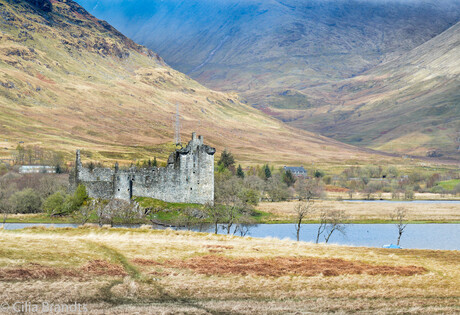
(376, 74)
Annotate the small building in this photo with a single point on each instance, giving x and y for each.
(296, 171)
(36, 169)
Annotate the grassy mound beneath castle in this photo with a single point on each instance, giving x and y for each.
(151, 271)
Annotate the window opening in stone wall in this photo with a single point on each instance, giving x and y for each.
(130, 189)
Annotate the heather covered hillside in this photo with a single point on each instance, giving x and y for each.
(69, 80)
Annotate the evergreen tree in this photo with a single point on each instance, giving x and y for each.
(239, 172)
(226, 159)
(59, 169)
(288, 178)
(155, 163)
(319, 173)
(267, 171)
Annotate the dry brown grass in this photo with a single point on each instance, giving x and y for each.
(36, 271)
(367, 211)
(173, 271)
(286, 266)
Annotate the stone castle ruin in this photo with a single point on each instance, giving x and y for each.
(188, 177)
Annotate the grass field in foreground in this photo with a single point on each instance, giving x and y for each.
(147, 271)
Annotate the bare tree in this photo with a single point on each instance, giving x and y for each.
(6, 207)
(309, 188)
(336, 219)
(122, 210)
(350, 193)
(399, 216)
(322, 224)
(188, 218)
(331, 221)
(243, 224)
(214, 214)
(231, 211)
(302, 209)
(84, 213)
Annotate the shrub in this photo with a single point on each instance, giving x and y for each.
(3, 169)
(80, 195)
(74, 202)
(437, 190)
(319, 173)
(387, 189)
(61, 203)
(457, 189)
(26, 201)
(408, 195)
(54, 204)
(250, 196)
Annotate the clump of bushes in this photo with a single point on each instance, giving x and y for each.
(26, 201)
(61, 203)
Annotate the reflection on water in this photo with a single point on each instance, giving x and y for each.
(424, 236)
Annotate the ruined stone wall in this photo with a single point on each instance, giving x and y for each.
(188, 177)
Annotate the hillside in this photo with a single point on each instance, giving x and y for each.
(284, 57)
(69, 80)
(273, 50)
(408, 105)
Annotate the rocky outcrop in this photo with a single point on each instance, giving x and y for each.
(44, 5)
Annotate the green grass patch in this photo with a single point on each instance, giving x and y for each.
(449, 184)
(39, 218)
(165, 212)
(155, 203)
(261, 216)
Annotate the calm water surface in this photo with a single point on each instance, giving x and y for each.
(422, 236)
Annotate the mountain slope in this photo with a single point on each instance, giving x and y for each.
(273, 51)
(69, 80)
(297, 60)
(408, 105)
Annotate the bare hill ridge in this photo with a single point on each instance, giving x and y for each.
(69, 80)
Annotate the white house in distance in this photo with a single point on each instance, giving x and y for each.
(35, 169)
(296, 171)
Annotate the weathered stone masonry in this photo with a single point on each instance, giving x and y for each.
(188, 177)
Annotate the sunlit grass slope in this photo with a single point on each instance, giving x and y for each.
(69, 80)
